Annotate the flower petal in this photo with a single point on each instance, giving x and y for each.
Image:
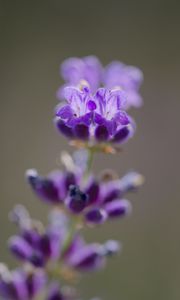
(101, 133)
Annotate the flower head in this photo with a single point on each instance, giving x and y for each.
(129, 78)
(116, 74)
(21, 284)
(94, 201)
(95, 117)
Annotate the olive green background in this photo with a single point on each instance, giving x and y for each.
(36, 36)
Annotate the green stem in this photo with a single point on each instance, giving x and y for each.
(89, 161)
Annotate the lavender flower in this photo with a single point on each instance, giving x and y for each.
(116, 74)
(21, 284)
(97, 202)
(95, 117)
(57, 252)
(51, 245)
(54, 187)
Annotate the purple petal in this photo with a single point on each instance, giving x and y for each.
(35, 282)
(64, 112)
(71, 70)
(31, 236)
(55, 293)
(96, 216)
(92, 190)
(75, 244)
(77, 200)
(91, 105)
(37, 259)
(20, 248)
(18, 288)
(118, 208)
(101, 133)
(72, 94)
(122, 118)
(111, 192)
(63, 128)
(43, 187)
(98, 119)
(81, 131)
(135, 75)
(45, 245)
(122, 135)
(88, 258)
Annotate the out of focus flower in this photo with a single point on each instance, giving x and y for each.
(37, 245)
(128, 78)
(116, 74)
(21, 284)
(89, 257)
(54, 187)
(95, 201)
(94, 117)
(97, 118)
(41, 246)
(74, 70)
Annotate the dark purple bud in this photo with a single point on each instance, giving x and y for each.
(18, 288)
(12, 284)
(55, 293)
(63, 128)
(118, 208)
(44, 187)
(45, 245)
(88, 258)
(20, 248)
(20, 284)
(122, 135)
(96, 216)
(76, 243)
(92, 190)
(81, 131)
(76, 200)
(37, 259)
(111, 194)
(35, 282)
(31, 235)
(101, 133)
(69, 179)
(5, 281)
(91, 105)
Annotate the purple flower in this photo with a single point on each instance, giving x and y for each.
(55, 293)
(91, 201)
(95, 117)
(90, 257)
(36, 244)
(74, 70)
(129, 78)
(116, 74)
(54, 187)
(21, 284)
(77, 200)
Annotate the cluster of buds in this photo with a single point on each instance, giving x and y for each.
(95, 118)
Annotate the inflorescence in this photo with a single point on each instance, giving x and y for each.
(92, 114)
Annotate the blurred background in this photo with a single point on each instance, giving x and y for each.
(36, 36)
